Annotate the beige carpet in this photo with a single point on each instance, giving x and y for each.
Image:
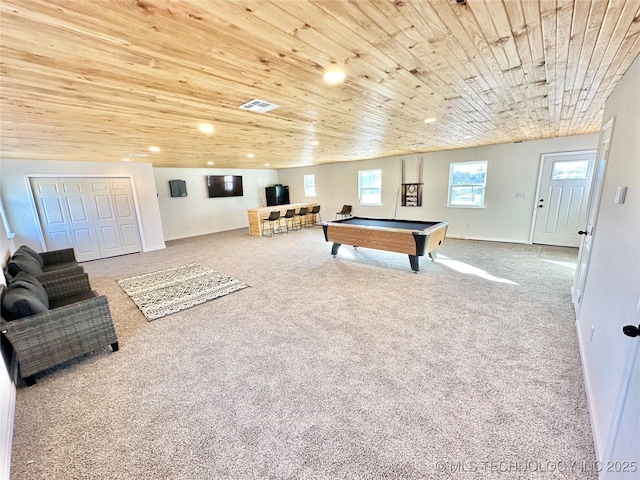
(327, 368)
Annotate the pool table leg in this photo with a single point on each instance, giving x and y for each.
(433, 255)
(414, 260)
(334, 248)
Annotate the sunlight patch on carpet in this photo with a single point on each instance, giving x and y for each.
(161, 293)
(471, 270)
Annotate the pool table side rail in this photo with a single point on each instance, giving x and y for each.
(390, 239)
(436, 238)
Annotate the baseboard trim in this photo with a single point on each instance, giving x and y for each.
(200, 234)
(590, 402)
(153, 249)
(483, 239)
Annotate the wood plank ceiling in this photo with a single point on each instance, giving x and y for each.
(102, 80)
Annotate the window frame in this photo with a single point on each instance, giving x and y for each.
(563, 175)
(307, 192)
(361, 188)
(451, 185)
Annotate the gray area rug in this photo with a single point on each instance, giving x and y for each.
(168, 291)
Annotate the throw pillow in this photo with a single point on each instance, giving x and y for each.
(25, 280)
(23, 262)
(32, 253)
(19, 303)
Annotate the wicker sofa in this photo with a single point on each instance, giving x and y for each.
(54, 319)
(42, 265)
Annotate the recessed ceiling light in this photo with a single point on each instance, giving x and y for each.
(266, 164)
(125, 159)
(209, 163)
(315, 142)
(429, 120)
(250, 155)
(206, 128)
(154, 149)
(334, 76)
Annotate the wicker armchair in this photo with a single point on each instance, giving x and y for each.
(45, 265)
(58, 259)
(78, 321)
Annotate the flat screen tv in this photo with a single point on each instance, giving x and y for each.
(224, 186)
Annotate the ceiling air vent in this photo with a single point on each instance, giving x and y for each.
(259, 106)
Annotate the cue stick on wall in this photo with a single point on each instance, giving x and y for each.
(395, 213)
(401, 186)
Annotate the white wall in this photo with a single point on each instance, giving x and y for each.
(512, 168)
(612, 288)
(7, 387)
(23, 220)
(197, 214)
(7, 246)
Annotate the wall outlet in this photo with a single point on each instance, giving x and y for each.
(468, 226)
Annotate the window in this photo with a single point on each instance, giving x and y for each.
(467, 182)
(370, 187)
(570, 170)
(309, 185)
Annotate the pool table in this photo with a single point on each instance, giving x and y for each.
(413, 237)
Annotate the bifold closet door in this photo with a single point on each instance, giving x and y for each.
(95, 216)
(115, 216)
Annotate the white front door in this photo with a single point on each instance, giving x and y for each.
(562, 199)
(588, 227)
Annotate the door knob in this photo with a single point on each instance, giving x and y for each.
(582, 232)
(631, 330)
(540, 206)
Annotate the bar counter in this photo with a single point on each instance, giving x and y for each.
(257, 214)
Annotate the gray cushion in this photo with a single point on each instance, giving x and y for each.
(25, 280)
(23, 262)
(32, 253)
(18, 302)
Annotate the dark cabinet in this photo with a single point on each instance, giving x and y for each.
(277, 195)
